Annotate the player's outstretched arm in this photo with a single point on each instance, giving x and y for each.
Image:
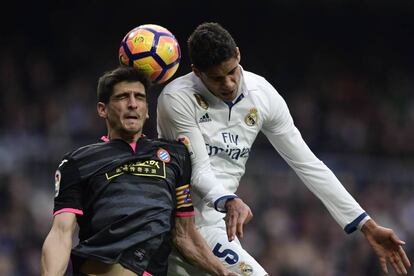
(193, 247)
(387, 246)
(58, 244)
(238, 214)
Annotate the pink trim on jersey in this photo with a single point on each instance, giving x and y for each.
(184, 214)
(146, 274)
(68, 210)
(133, 145)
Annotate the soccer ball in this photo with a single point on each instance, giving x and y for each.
(152, 49)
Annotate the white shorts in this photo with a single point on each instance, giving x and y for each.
(233, 256)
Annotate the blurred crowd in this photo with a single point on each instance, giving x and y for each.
(354, 106)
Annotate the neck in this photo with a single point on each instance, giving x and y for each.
(127, 137)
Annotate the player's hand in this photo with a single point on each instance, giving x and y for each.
(227, 272)
(387, 246)
(231, 273)
(238, 214)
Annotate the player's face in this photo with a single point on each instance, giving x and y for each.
(222, 80)
(126, 110)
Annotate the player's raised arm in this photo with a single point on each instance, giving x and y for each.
(288, 141)
(58, 244)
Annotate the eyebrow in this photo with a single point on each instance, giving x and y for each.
(124, 93)
(229, 72)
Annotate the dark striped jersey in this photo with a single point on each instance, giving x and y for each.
(125, 200)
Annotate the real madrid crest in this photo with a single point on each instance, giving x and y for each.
(201, 102)
(252, 117)
(246, 269)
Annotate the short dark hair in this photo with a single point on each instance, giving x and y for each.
(210, 44)
(108, 80)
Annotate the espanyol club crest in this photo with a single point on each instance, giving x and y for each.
(163, 155)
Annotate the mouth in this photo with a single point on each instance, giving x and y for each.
(131, 116)
(227, 93)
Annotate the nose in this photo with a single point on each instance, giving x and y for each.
(132, 103)
(228, 83)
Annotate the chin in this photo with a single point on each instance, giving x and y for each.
(132, 130)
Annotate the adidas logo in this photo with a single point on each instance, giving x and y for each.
(205, 118)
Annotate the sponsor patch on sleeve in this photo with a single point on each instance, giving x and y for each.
(58, 177)
(183, 196)
(186, 141)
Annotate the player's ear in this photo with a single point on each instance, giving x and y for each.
(195, 70)
(101, 108)
(238, 56)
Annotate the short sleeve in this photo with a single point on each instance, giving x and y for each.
(184, 205)
(68, 188)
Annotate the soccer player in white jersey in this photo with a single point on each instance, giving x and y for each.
(217, 110)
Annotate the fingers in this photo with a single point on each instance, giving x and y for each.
(399, 258)
(383, 263)
(240, 222)
(404, 257)
(396, 239)
(398, 264)
(231, 224)
(238, 214)
(249, 216)
(399, 261)
(394, 263)
(244, 217)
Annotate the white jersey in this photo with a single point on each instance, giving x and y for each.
(220, 136)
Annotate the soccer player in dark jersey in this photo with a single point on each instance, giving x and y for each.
(129, 195)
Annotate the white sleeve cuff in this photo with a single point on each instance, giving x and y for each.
(220, 203)
(362, 222)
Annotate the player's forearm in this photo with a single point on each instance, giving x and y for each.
(319, 179)
(55, 253)
(193, 247)
(58, 244)
(198, 253)
(209, 187)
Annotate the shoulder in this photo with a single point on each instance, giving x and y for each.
(266, 98)
(261, 89)
(178, 95)
(72, 161)
(184, 84)
(170, 145)
(85, 151)
(165, 149)
(257, 82)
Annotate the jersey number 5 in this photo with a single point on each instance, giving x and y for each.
(231, 257)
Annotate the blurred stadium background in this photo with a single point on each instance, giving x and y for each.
(344, 67)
